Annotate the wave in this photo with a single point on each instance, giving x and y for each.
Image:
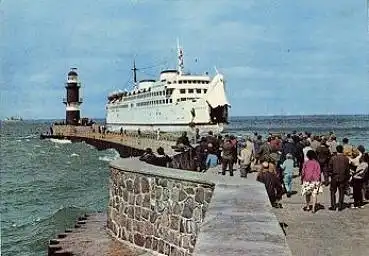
(111, 154)
(61, 141)
(74, 154)
(53, 217)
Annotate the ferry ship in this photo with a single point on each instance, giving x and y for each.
(13, 119)
(175, 102)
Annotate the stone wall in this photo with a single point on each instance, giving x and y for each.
(174, 212)
(160, 213)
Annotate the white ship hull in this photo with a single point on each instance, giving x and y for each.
(175, 102)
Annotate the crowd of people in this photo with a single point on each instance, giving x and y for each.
(321, 161)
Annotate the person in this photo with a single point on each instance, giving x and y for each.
(227, 156)
(211, 158)
(147, 155)
(264, 151)
(324, 154)
(339, 169)
(287, 168)
(161, 159)
(272, 185)
(183, 141)
(333, 144)
(357, 181)
(306, 149)
(310, 177)
(245, 158)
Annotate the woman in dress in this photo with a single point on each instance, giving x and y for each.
(310, 178)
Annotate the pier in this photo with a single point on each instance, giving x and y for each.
(155, 210)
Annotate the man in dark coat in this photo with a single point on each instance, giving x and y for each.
(339, 168)
(324, 154)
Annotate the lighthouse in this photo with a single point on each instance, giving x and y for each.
(72, 101)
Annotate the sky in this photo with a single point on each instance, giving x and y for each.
(278, 57)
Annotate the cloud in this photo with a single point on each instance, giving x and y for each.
(274, 54)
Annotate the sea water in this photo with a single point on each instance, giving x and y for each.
(47, 184)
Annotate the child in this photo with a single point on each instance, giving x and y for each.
(287, 167)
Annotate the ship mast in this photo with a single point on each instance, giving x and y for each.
(134, 69)
(180, 58)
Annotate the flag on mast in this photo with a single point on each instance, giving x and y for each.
(180, 58)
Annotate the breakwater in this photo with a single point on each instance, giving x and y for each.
(169, 211)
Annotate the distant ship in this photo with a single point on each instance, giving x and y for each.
(13, 119)
(176, 102)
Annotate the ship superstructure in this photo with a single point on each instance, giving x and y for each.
(176, 102)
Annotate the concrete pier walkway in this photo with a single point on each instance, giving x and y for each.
(325, 232)
(139, 142)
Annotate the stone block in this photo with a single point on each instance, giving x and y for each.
(153, 216)
(208, 195)
(160, 206)
(125, 196)
(135, 225)
(182, 195)
(177, 208)
(190, 191)
(137, 213)
(163, 182)
(129, 225)
(145, 185)
(200, 195)
(138, 200)
(154, 245)
(197, 214)
(174, 194)
(174, 222)
(129, 185)
(139, 239)
(137, 185)
(182, 225)
(166, 248)
(146, 201)
(166, 194)
(130, 212)
(160, 246)
(131, 199)
(148, 242)
(188, 208)
(158, 193)
(145, 214)
(185, 242)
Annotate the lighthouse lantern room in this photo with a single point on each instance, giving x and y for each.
(73, 100)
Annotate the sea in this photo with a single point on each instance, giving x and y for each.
(47, 184)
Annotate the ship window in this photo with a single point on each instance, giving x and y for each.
(178, 100)
(205, 90)
(198, 90)
(185, 81)
(183, 99)
(166, 101)
(190, 90)
(170, 100)
(182, 91)
(189, 81)
(180, 81)
(169, 82)
(174, 82)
